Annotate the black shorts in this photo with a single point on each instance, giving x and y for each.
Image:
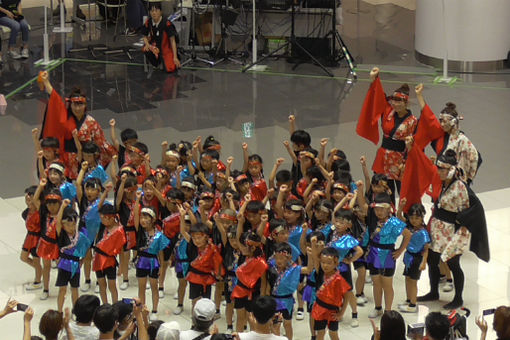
(285, 314)
(240, 303)
(413, 272)
(64, 278)
(169, 250)
(320, 325)
(153, 274)
(360, 264)
(347, 275)
(309, 307)
(32, 251)
(388, 272)
(180, 275)
(110, 273)
(197, 290)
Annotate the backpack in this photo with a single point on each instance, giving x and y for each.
(458, 323)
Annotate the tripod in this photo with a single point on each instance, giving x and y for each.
(224, 54)
(193, 55)
(292, 42)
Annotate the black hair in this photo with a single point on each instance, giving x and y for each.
(128, 134)
(255, 158)
(301, 137)
(275, 223)
(252, 236)
(393, 326)
(69, 214)
(416, 209)
(283, 176)
(221, 336)
(199, 228)
(450, 109)
(60, 164)
(50, 142)
(150, 178)
(235, 194)
(107, 209)
(90, 147)
(139, 145)
(383, 197)
(93, 182)
(341, 164)
(263, 309)
(448, 157)
(31, 190)
(437, 325)
(131, 181)
(330, 251)
(345, 214)
(156, 5)
(254, 206)
(35, 337)
(318, 234)
(53, 191)
(85, 307)
(105, 318)
(404, 88)
(188, 179)
(153, 328)
(51, 323)
(315, 172)
(123, 309)
(376, 178)
(290, 203)
(314, 223)
(183, 148)
(344, 177)
(210, 141)
(283, 247)
(211, 153)
(175, 194)
(339, 153)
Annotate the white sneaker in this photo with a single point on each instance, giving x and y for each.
(229, 330)
(178, 310)
(124, 285)
(85, 287)
(223, 303)
(176, 296)
(53, 264)
(354, 323)
(15, 55)
(33, 286)
(25, 53)
(375, 313)
(407, 309)
(360, 301)
(96, 289)
(448, 287)
(364, 298)
(147, 286)
(300, 315)
(153, 316)
(368, 279)
(161, 293)
(44, 296)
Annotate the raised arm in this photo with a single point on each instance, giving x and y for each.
(184, 227)
(38, 192)
(228, 170)
(309, 188)
(419, 95)
(64, 204)
(221, 229)
(366, 174)
(164, 149)
(35, 140)
(40, 165)
(77, 143)
(302, 239)
(400, 210)
(342, 202)
(374, 73)
(120, 192)
(46, 82)
(322, 150)
(114, 169)
(136, 213)
(262, 225)
(27, 319)
(272, 176)
(79, 180)
(360, 198)
(246, 155)
(113, 135)
(278, 207)
(239, 232)
(108, 187)
(291, 152)
(292, 124)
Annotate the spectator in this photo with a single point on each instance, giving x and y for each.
(27, 331)
(201, 320)
(11, 15)
(393, 327)
(84, 310)
(501, 324)
(9, 308)
(168, 331)
(153, 329)
(136, 10)
(106, 320)
(437, 326)
(261, 317)
(52, 322)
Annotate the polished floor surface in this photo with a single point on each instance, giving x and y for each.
(216, 101)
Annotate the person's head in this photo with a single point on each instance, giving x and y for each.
(172, 160)
(199, 233)
(263, 309)
(315, 172)
(437, 326)
(344, 219)
(51, 323)
(283, 255)
(252, 244)
(307, 157)
(167, 331)
(52, 201)
(106, 318)
(253, 212)
(416, 214)
(148, 218)
(155, 10)
(293, 212)
(220, 181)
(29, 195)
(188, 187)
(153, 328)
(184, 149)
(124, 314)
(90, 153)
(241, 181)
(128, 137)
(203, 315)
(501, 323)
(69, 220)
(400, 98)
(56, 172)
(211, 143)
(283, 177)
(35, 337)
(300, 140)
(255, 165)
(338, 191)
(228, 218)
(85, 307)
(337, 155)
(92, 188)
(279, 230)
(318, 236)
(446, 165)
(130, 188)
(393, 326)
(137, 152)
(107, 214)
(50, 146)
(207, 198)
(173, 198)
(340, 165)
(148, 188)
(78, 101)
(329, 260)
(379, 183)
(206, 159)
(322, 210)
(382, 206)
(449, 117)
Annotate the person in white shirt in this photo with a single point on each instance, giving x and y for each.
(84, 310)
(261, 317)
(202, 319)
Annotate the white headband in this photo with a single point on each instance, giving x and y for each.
(295, 207)
(149, 211)
(172, 153)
(57, 167)
(189, 185)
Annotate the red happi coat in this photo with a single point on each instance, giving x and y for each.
(109, 246)
(33, 225)
(247, 275)
(206, 266)
(331, 292)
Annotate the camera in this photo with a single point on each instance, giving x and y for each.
(128, 301)
(489, 311)
(415, 330)
(21, 307)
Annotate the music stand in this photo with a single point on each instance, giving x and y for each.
(292, 42)
(227, 18)
(193, 55)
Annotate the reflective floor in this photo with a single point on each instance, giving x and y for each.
(199, 100)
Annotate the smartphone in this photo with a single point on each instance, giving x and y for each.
(129, 301)
(415, 331)
(489, 311)
(21, 307)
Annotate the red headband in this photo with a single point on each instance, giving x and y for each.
(162, 171)
(207, 194)
(252, 243)
(400, 95)
(216, 147)
(228, 217)
(254, 163)
(221, 174)
(307, 154)
(341, 186)
(77, 99)
(136, 150)
(53, 197)
(241, 178)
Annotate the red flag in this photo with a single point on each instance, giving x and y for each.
(419, 174)
(373, 107)
(56, 122)
(428, 128)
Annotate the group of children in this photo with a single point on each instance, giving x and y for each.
(292, 235)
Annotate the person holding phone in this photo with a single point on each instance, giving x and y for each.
(11, 16)
(501, 323)
(10, 307)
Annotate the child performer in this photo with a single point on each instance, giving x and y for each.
(150, 243)
(415, 257)
(382, 254)
(33, 224)
(331, 288)
(160, 40)
(283, 278)
(182, 259)
(73, 246)
(109, 243)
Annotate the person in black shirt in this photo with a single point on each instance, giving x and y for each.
(11, 16)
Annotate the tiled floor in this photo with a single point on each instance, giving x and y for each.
(203, 101)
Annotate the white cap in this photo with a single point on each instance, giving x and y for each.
(168, 331)
(204, 310)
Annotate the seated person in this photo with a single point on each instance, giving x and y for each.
(160, 38)
(11, 16)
